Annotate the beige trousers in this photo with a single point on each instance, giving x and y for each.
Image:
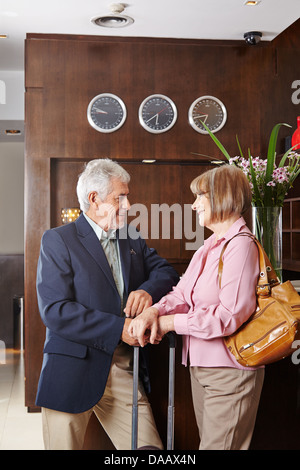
(225, 403)
(66, 431)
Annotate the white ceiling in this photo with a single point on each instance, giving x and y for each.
(200, 19)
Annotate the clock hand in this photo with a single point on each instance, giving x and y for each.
(156, 115)
(162, 110)
(100, 111)
(199, 116)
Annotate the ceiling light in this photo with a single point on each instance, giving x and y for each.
(114, 19)
(252, 3)
(12, 132)
(3, 36)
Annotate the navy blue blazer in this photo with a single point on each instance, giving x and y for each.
(80, 307)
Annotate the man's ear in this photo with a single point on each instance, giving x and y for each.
(92, 198)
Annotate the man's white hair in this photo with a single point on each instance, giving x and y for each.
(97, 176)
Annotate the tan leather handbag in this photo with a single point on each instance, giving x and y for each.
(268, 335)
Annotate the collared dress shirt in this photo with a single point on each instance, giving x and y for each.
(110, 246)
(205, 313)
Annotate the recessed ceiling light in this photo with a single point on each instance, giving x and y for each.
(3, 36)
(113, 21)
(252, 3)
(12, 132)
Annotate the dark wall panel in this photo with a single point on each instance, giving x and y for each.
(11, 285)
(63, 73)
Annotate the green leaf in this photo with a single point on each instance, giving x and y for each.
(255, 188)
(270, 162)
(282, 161)
(295, 176)
(272, 150)
(240, 148)
(217, 142)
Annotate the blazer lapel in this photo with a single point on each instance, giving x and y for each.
(91, 243)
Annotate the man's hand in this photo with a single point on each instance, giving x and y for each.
(137, 301)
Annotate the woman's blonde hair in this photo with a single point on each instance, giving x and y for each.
(228, 190)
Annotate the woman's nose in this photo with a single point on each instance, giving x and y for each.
(194, 205)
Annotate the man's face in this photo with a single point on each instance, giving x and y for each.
(111, 213)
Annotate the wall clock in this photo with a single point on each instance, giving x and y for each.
(106, 112)
(157, 113)
(209, 110)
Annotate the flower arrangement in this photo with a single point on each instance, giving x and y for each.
(269, 182)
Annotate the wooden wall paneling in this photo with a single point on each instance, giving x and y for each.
(80, 69)
(285, 106)
(195, 234)
(279, 91)
(37, 183)
(63, 73)
(153, 188)
(277, 425)
(64, 177)
(289, 38)
(37, 220)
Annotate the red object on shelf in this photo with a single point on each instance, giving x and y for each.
(296, 136)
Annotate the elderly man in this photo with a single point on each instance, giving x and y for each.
(92, 279)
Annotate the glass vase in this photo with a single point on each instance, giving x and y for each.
(267, 227)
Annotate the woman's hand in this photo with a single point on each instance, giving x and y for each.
(126, 337)
(147, 321)
(165, 324)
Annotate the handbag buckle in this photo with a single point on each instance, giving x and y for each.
(263, 290)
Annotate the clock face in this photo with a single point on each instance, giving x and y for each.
(157, 114)
(106, 112)
(209, 110)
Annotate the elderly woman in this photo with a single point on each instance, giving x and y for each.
(225, 394)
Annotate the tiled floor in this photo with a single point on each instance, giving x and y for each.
(19, 430)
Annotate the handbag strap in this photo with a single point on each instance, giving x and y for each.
(267, 274)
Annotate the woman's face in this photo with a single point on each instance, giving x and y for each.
(202, 206)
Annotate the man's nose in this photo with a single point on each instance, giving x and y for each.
(124, 203)
(128, 205)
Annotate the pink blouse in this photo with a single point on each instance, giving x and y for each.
(204, 313)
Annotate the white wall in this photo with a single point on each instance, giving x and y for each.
(11, 198)
(11, 95)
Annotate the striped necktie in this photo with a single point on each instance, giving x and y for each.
(110, 247)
